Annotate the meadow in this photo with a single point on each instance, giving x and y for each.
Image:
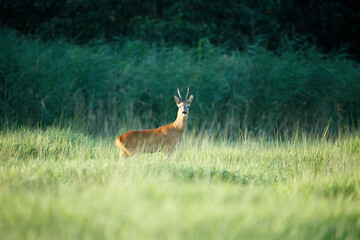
(272, 148)
(61, 183)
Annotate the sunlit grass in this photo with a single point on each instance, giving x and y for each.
(64, 184)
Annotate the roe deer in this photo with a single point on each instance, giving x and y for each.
(164, 138)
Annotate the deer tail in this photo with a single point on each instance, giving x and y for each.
(119, 144)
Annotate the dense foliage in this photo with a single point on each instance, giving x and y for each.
(109, 84)
(327, 23)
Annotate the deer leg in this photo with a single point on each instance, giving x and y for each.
(169, 150)
(121, 146)
(126, 152)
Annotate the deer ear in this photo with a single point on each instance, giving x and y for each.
(177, 100)
(190, 98)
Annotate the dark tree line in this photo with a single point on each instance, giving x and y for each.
(328, 24)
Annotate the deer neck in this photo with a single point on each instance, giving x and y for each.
(180, 122)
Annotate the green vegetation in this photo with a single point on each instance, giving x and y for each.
(63, 184)
(328, 24)
(272, 147)
(112, 86)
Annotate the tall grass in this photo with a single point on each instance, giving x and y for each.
(106, 85)
(63, 184)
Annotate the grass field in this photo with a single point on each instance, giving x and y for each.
(60, 183)
(250, 175)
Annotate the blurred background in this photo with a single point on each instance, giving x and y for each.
(263, 66)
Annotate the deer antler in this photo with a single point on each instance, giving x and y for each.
(179, 94)
(187, 93)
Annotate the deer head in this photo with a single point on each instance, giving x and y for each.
(183, 104)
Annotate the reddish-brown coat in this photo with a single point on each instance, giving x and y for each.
(164, 138)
